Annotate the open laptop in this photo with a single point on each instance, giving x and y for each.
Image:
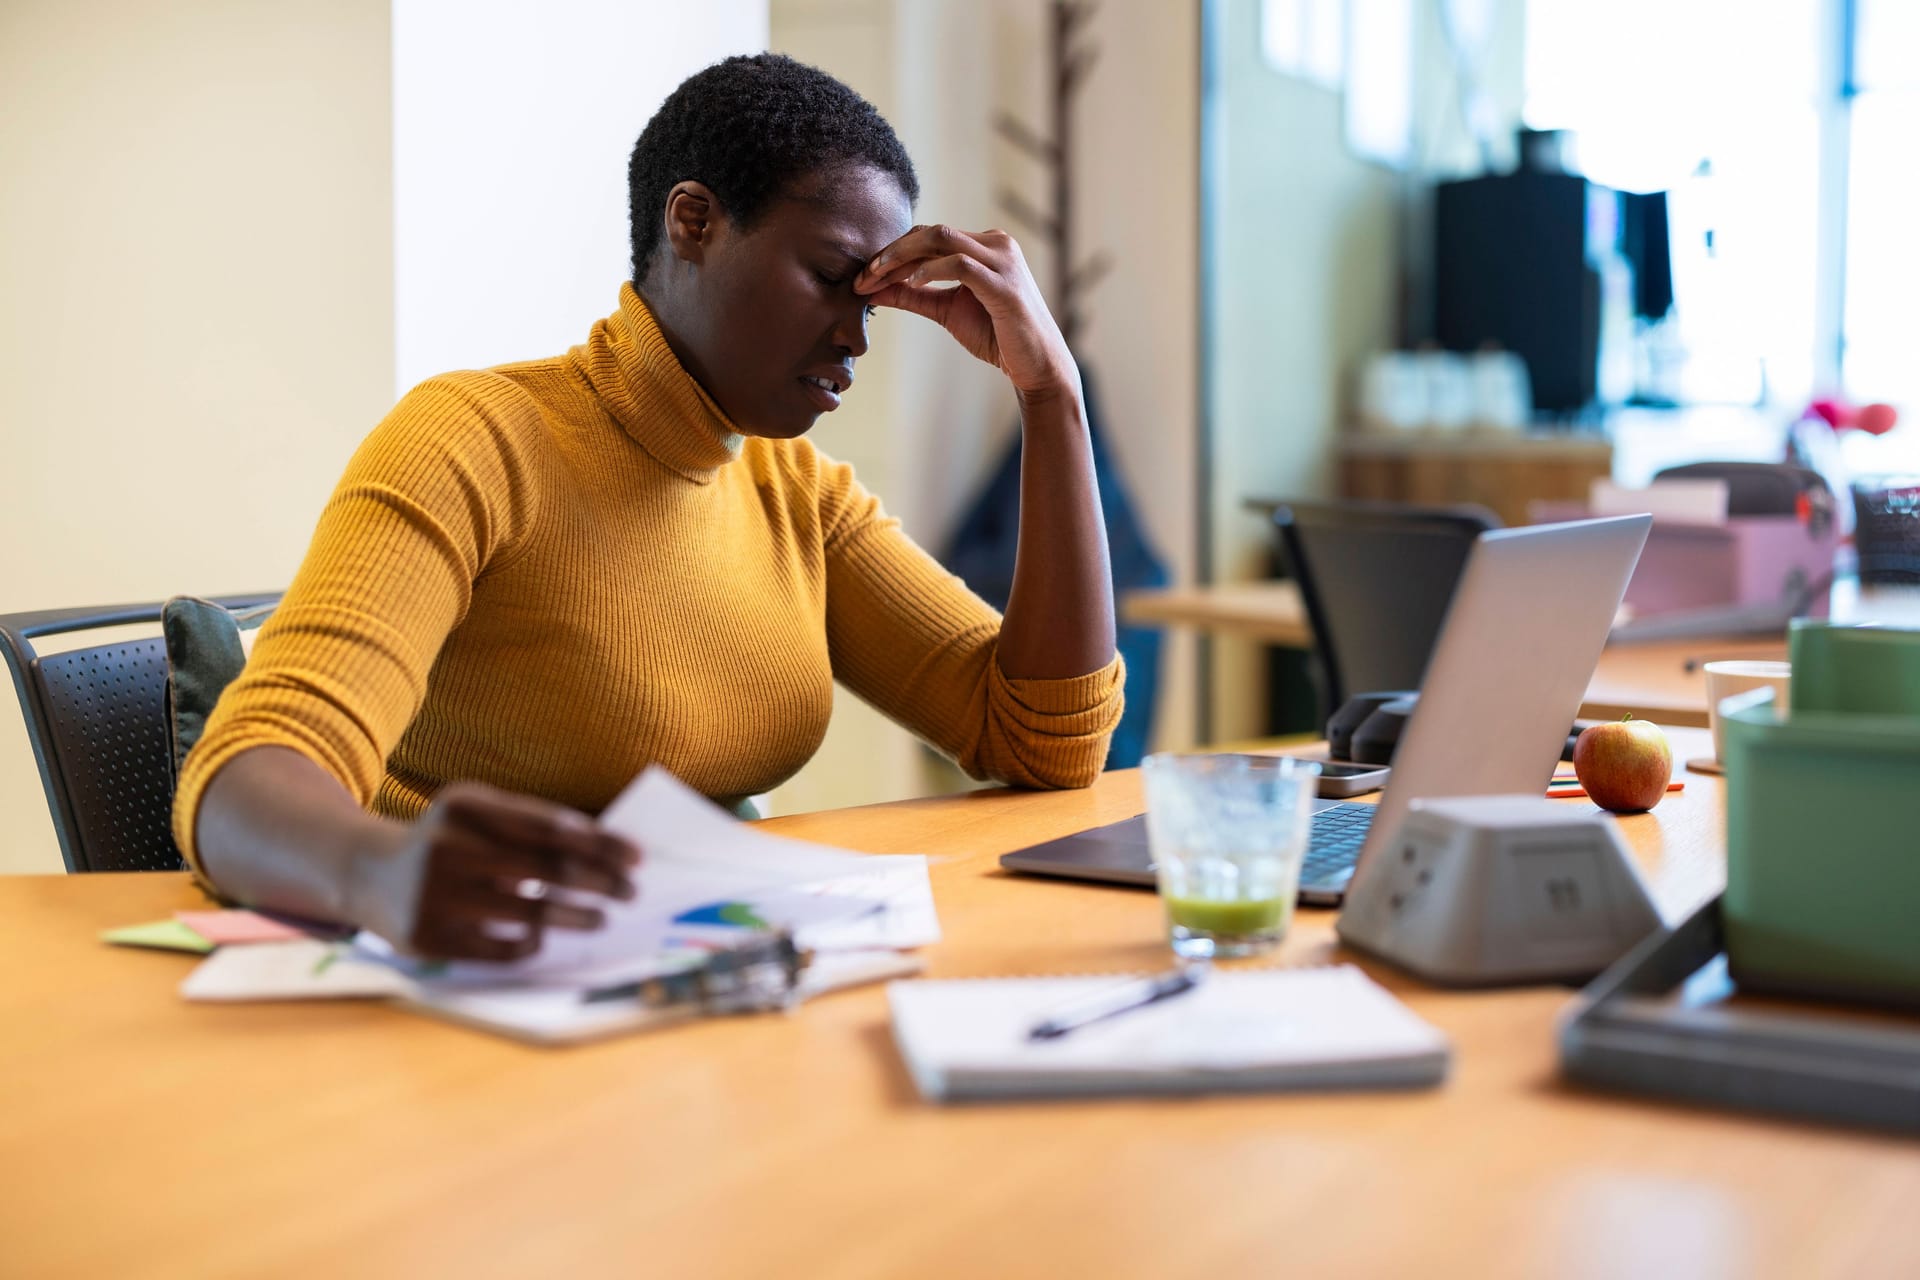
(1520, 642)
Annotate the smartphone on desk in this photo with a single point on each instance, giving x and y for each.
(1338, 779)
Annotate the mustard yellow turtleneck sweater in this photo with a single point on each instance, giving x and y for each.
(549, 575)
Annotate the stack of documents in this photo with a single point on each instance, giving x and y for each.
(706, 883)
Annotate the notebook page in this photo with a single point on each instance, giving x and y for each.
(1250, 1021)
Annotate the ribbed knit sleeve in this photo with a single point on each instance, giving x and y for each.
(438, 493)
(913, 640)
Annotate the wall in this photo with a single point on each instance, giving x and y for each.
(1306, 238)
(865, 756)
(510, 146)
(1139, 142)
(929, 422)
(1310, 241)
(450, 184)
(219, 220)
(195, 233)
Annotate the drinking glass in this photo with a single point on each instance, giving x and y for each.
(1228, 833)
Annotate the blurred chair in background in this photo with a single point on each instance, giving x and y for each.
(1375, 579)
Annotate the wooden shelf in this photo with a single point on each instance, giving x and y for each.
(1502, 472)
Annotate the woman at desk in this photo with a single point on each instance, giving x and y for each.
(535, 580)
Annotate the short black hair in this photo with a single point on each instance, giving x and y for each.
(747, 127)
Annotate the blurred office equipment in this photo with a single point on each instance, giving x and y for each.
(1678, 1015)
(1886, 531)
(1834, 774)
(1536, 262)
(1375, 580)
(1511, 889)
(1440, 391)
(1667, 1021)
(1764, 557)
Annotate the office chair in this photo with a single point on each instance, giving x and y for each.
(1376, 579)
(97, 722)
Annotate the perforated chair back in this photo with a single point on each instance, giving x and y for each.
(97, 721)
(1376, 579)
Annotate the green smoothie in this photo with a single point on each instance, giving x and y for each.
(1225, 917)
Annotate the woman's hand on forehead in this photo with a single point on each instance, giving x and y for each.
(977, 286)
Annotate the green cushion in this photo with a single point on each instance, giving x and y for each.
(207, 645)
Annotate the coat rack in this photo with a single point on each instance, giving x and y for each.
(1071, 61)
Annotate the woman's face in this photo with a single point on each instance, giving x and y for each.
(768, 317)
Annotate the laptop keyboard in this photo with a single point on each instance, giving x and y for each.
(1334, 846)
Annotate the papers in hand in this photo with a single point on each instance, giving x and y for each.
(704, 877)
(704, 882)
(1271, 1029)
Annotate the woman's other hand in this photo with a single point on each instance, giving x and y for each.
(977, 286)
(474, 877)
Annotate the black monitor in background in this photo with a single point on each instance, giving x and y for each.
(1511, 270)
(1646, 241)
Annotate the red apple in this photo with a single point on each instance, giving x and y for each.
(1625, 765)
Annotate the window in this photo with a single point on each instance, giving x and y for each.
(1881, 324)
(1720, 107)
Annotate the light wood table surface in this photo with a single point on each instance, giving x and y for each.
(1655, 680)
(1268, 611)
(140, 1135)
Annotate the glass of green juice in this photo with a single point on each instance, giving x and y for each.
(1227, 833)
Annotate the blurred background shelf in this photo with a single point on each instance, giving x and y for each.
(1503, 472)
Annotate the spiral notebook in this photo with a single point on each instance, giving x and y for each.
(1250, 1030)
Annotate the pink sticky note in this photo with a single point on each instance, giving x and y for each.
(224, 927)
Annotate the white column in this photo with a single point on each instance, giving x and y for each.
(512, 125)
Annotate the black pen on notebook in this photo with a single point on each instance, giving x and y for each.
(1107, 1004)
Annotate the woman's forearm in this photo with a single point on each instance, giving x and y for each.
(276, 830)
(1059, 619)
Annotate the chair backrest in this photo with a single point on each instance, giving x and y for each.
(1376, 579)
(97, 721)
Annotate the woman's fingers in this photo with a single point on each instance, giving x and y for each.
(480, 946)
(931, 303)
(573, 851)
(957, 267)
(470, 856)
(898, 260)
(463, 940)
(498, 901)
(997, 312)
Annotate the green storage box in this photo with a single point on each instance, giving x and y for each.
(1823, 825)
(1871, 669)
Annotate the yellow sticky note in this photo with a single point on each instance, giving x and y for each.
(161, 935)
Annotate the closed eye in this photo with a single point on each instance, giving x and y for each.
(830, 281)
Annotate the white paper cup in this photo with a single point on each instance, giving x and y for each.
(1724, 679)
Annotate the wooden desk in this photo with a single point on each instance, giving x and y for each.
(1657, 680)
(1269, 611)
(142, 1135)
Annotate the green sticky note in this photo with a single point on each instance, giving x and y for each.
(162, 935)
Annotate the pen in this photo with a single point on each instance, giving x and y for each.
(1107, 1004)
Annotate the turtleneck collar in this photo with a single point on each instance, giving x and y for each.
(631, 368)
